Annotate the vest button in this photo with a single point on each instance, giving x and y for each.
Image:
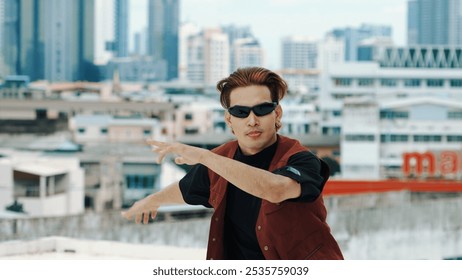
(213, 239)
(216, 219)
(265, 248)
(259, 227)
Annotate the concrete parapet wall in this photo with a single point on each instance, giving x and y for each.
(374, 226)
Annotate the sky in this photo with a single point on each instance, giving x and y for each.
(271, 20)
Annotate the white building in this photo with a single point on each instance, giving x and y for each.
(104, 18)
(396, 138)
(198, 117)
(306, 62)
(208, 55)
(299, 118)
(186, 30)
(44, 185)
(105, 128)
(248, 53)
(416, 71)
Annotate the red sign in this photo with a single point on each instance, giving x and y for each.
(430, 164)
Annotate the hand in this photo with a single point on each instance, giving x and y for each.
(185, 154)
(141, 209)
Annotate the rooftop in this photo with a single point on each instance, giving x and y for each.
(55, 247)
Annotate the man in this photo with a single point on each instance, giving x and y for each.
(265, 188)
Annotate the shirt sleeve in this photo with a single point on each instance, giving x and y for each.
(309, 171)
(195, 186)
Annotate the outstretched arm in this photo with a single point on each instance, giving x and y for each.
(258, 182)
(149, 205)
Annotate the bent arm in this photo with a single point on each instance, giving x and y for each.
(149, 205)
(255, 181)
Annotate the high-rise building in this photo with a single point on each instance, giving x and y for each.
(247, 53)
(187, 30)
(104, 43)
(353, 36)
(435, 22)
(208, 59)
(163, 29)
(121, 28)
(299, 52)
(412, 22)
(8, 37)
(235, 33)
(56, 40)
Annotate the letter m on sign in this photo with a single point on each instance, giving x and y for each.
(416, 162)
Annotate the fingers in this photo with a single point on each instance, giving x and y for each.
(161, 148)
(180, 160)
(126, 215)
(145, 218)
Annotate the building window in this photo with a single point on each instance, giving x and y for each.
(365, 82)
(81, 130)
(360, 137)
(331, 130)
(337, 113)
(427, 138)
(435, 83)
(456, 83)
(103, 130)
(139, 181)
(342, 82)
(390, 138)
(188, 116)
(147, 132)
(388, 82)
(412, 83)
(191, 130)
(455, 115)
(391, 115)
(454, 138)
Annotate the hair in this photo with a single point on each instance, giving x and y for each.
(250, 76)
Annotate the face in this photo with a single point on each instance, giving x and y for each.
(254, 133)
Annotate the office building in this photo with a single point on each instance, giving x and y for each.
(121, 28)
(353, 36)
(56, 40)
(208, 57)
(163, 29)
(435, 22)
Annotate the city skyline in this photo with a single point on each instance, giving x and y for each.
(308, 18)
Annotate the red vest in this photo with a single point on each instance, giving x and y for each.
(286, 230)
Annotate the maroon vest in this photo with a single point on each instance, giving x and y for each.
(286, 230)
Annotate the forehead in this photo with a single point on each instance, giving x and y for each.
(250, 95)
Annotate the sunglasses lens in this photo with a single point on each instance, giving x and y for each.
(259, 110)
(239, 111)
(264, 109)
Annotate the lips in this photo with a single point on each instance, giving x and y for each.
(254, 133)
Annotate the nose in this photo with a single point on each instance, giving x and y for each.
(252, 119)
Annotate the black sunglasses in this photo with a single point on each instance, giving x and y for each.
(259, 110)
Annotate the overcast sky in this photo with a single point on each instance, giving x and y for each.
(270, 20)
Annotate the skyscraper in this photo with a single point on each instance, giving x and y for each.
(208, 56)
(353, 36)
(299, 52)
(55, 39)
(435, 22)
(121, 28)
(163, 32)
(8, 37)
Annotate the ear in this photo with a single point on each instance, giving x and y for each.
(278, 111)
(228, 118)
